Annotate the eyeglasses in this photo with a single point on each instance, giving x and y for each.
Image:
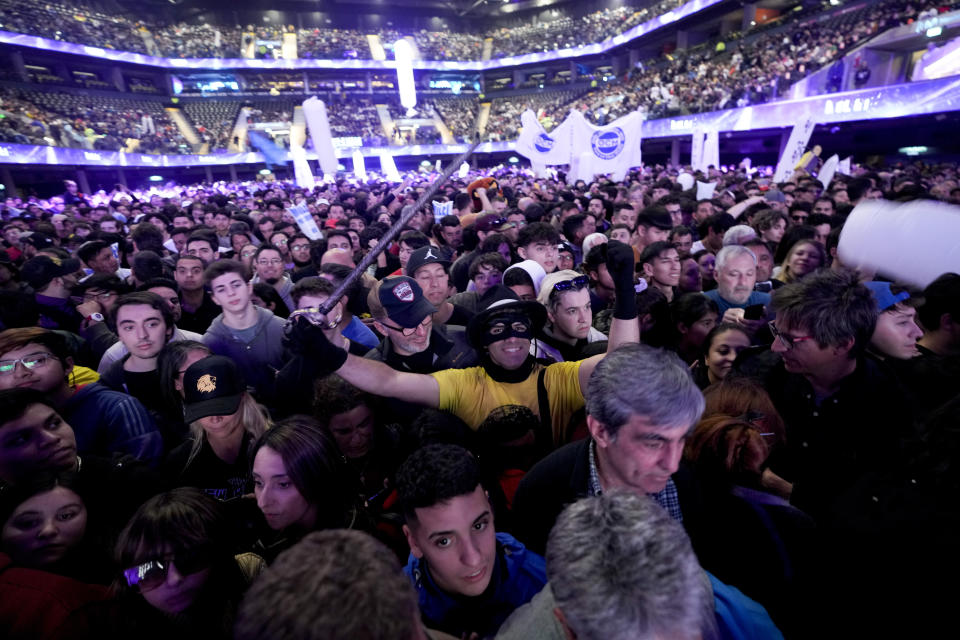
(787, 341)
(99, 297)
(31, 361)
(576, 283)
(153, 573)
(300, 247)
(409, 331)
(274, 262)
(280, 243)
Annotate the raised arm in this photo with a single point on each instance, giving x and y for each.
(382, 380)
(624, 328)
(314, 356)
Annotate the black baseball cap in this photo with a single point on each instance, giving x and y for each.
(401, 299)
(38, 271)
(212, 386)
(424, 255)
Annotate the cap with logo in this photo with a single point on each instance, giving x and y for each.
(492, 222)
(401, 299)
(40, 270)
(212, 386)
(424, 255)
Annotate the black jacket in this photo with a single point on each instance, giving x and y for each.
(562, 478)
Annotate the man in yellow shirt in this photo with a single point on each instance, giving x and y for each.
(508, 373)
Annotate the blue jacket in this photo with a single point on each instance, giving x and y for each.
(518, 575)
(107, 421)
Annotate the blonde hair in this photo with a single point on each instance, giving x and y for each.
(785, 274)
(254, 418)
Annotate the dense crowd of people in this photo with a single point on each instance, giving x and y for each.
(87, 122)
(750, 70)
(79, 23)
(547, 409)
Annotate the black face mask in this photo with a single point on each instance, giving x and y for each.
(508, 325)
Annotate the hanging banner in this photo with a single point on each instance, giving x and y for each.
(796, 144)
(301, 168)
(696, 150)
(315, 113)
(711, 150)
(389, 167)
(359, 166)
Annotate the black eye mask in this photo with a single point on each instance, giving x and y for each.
(503, 326)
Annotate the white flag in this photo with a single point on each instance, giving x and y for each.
(464, 170)
(711, 150)
(828, 170)
(305, 221)
(441, 209)
(705, 190)
(844, 166)
(612, 149)
(315, 113)
(543, 148)
(792, 153)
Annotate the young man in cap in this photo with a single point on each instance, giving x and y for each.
(430, 270)
(52, 279)
(413, 341)
(508, 373)
(468, 577)
(568, 334)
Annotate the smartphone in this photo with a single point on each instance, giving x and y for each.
(753, 312)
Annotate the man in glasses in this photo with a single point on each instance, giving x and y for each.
(568, 334)
(508, 372)
(103, 420)
(839, 431)
(268, 266)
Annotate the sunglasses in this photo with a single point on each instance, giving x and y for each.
(153, 573)
(577, 283)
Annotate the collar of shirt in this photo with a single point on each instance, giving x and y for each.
(668, 498)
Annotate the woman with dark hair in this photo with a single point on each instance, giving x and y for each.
(793, 235)
(694, 316)
(368, 448)
(178, 573)
(43, 525)
(224, 422)
(299, 482)
(707, 262)
(758, 542)
(718, 353)
(173, 362)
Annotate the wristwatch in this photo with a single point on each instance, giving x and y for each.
(94, 317)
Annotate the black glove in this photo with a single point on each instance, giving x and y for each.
(620, 265)
(304, 338)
